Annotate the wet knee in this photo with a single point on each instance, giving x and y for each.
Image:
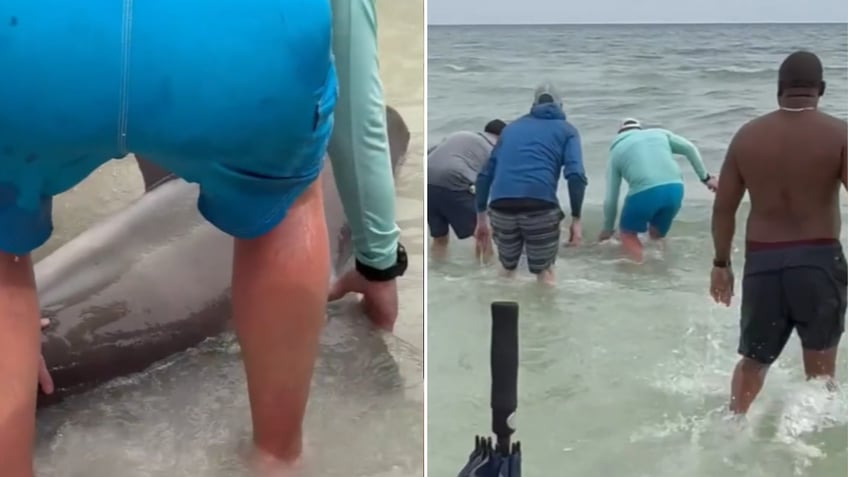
(752, 367)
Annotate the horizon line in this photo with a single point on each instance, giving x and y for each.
(625, 23)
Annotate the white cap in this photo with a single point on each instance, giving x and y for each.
(630, 123)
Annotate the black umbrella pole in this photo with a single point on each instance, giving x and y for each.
(504, 363)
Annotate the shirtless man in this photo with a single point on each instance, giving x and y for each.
(791, 161)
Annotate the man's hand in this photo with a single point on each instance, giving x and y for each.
(605, 235)
(44, 379)
(712, 183)
(721, 285)
(379, 299)
(483, 250)
(575, 233)
(483, 238)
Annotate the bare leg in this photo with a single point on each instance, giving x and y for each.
(631, 246)
(821, 364)
(748, 379)
(20, 354)
(547, 277)
(279, 294)
(506, 273)
(439, 246)
(656, 237)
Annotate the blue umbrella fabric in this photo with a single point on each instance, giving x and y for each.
(486, 461)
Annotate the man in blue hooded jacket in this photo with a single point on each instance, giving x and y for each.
(518, 187)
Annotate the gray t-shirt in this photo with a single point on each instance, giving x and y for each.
(455, 163)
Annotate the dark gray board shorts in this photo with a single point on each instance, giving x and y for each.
(450, 209)
(535, 234)
(801, 287)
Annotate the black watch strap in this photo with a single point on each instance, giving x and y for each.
(706, 179)
(721, 263)
(376, 275)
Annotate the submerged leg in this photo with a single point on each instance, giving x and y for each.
(748, 379)
(546, 277)
(657, 237)
(279, 294)
(439, 246)
(632, 246)
(821, 364)
(20, 345)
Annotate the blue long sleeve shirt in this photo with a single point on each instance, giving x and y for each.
(528, 158)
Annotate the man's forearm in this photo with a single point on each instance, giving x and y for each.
(481, 191)
(610, 213)
(359, 148)
(576, 194)
(724, 226)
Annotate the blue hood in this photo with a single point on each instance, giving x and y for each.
(547, 111)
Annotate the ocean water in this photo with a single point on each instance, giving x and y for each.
(624, 369)
(188, 416)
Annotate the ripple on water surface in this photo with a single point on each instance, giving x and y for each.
(189, 415)
(625, 371)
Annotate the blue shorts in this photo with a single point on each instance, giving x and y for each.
(235, 95)
(657, 207)
(451, 208)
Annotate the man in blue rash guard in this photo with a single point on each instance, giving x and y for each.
(518, 187)
(644, 159)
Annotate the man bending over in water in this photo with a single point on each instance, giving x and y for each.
(791, 161)
(248, 116)
(521, 180)
(644, 159)
(452, 168)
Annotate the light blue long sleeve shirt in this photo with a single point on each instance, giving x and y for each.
(359, 146)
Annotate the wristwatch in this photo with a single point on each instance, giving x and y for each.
(721, 263)
(706, 179)
(376, 275)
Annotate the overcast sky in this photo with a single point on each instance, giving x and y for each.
(634, 11)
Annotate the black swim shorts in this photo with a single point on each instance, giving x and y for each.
(801, 287)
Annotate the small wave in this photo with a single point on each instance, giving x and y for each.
(740, 70)
(698, 51)
(811, 407)
(461, 65)
(646, 90)
(452, 67)
(730, 113)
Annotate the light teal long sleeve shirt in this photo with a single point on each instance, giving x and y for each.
(359, 146)
(645, 159)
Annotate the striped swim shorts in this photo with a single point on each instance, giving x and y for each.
(535, 233)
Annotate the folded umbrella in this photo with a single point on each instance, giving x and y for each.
(503, 457)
